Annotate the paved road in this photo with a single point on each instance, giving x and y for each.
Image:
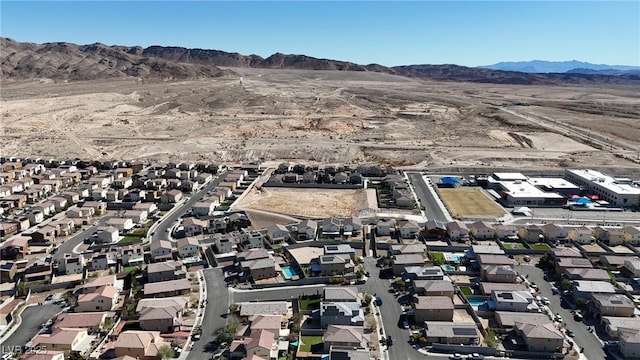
(592, 346)
(168, 221)
(218, 298)
(431, 207)
(68, 245)
(32, 318)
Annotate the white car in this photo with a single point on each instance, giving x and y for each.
(558, 318)
(546, 301)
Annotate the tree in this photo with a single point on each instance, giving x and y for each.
(21, 289)
(367, 299)
(400, 285)
(165, 352)
(565, 284)
(227, 333)
(490, 339)
(233, 308)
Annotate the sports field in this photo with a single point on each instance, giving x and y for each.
(469, 202)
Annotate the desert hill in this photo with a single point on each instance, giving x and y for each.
(65, 61)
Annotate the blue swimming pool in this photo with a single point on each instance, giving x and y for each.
(288, 272)
(477, 302)
(448, 267)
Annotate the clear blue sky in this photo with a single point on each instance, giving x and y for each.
(385, 32)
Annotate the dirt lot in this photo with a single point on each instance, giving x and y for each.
(469, 202)
(325, 117)
(312, 203)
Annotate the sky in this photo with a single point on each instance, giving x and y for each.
(390, 33)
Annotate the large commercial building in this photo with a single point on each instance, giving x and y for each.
(618, 192)
(516, 189)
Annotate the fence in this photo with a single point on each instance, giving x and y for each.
(463, 349)
(306, 281)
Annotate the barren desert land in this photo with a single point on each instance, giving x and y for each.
(272, 115)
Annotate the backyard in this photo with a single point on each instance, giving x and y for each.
(129, 239)
(310, 343)
(539, 246)
(310, 303)
(512, 245)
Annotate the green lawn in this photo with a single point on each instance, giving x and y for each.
(129, 239)
(309, 304)
(308, 341)
(513, 245)
(129, 268)
(139, 232)
(539, 246)
(438, 257)
(466, 290)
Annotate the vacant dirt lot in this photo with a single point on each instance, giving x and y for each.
(325, 117)
(312, 203)
(469, 202)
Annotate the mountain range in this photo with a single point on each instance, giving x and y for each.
(573, 66)
(66, 61)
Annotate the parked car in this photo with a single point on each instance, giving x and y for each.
(476, 356)
(545, 300)
(455, 357)
(527, 258)
(554, 290)
(570, 333)
(558, 318)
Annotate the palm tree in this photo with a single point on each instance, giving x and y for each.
(165, 352)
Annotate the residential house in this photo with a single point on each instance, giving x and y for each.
(8, 228)
(194, 226)
(531, 233)
(409, 229)
(258, 269)
(435, 230)
(140, 344)
(507, 319)
(631, 234)
(13, 249)
(540, 337)
(331, 265)
(99, 207)
(204, 208)
(565, 263)
(612, 305)
(59, 202)
(352, 226)
(188, 247)
(446, 332)
(149, 207)
(400, 262)
(614, 236)
(341, 294)
(106, 235)
(277, 233)
(67, 340)
(345, 336)
(457, 230)
(433, 308)
(584, 289)
(71, 264)
(331, 226)
(93, 284)
(102, 261)
(161, 250)
(397, 249)
(433, 288)
(261, 344)
(93, 322)
(224, 244)
(38, 270)
(165, 271)
(132, 255)
(384, 227)
(482, 230)
(341, 313)
(122, 224)
(521, 301)
(44, 235)
(498, 273)
(581, 235)
(412, 273)
(264, 308)
(612, 324)
(104, 298)
(164, 316)
(8, 271)
(307, 230)
(564, 252)
(490, 259)
(629, 343)
(137, 216)
(35, 217)
(586, 274)
(503, 232)
(613, 262)
(47, 208)
(171, 197)
(553, 232)
(631, 267)
(167, 288)
(340, 249)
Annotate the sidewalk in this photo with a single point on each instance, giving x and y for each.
(199, 316)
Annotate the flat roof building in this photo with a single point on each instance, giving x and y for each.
(618, 192)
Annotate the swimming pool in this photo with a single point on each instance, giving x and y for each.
(448, 268)
(477, 303)
(453, 257)
(288, 272)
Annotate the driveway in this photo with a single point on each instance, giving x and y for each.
(32, 319)
(168, 221)
(218, 298)
(592, 345)
(431, 207)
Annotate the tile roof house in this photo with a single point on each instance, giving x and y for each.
(167, 288)
(330, 265)
(632, 234)
(631, 266)
(400, 262)
(446, 332)
(341, 313)
(260, 343)
(66, 340)
(142, 345)
(457, 230)
(432, 288)
(482, 230)
(263, 308)
(161, 250)
(498, 273)
(583, 289)
(384, 227)
(307, 230)
(164, 271)
(613, 323)
(277, 233)
(423, 273)
(433, 308)
(105, 298)
(93, 322)
(258, 269)
(409, 229)
(612, 305)
(161, 318)
(345, 336)
(629, 343)
(341, 294)
(397, 249)
(512, 301)
(587, 274)
(581, 235)
(188, 247)
(540, 337)
(44, 355)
